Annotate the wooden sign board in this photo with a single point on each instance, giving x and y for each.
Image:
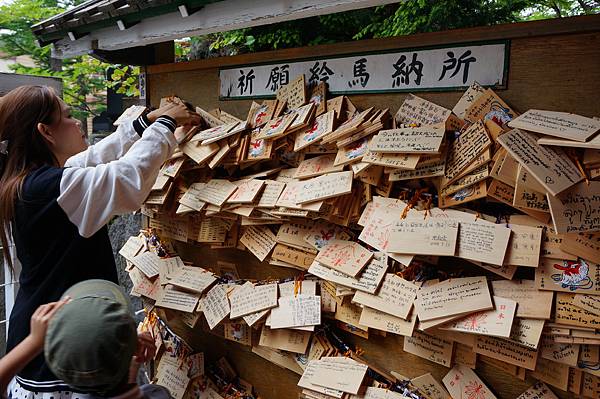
(373, 318)
(276, 128)
(260, 114)
(488, 106)
(296, 92)
(483, 241)
(551, 167)
(259, 240)
(580, 245)
(524, 246)
(538, 391)
(303, 116)
(466, 181)
(348, 257)
(396, 296)
(318, 97)
(317, 166)
(171, 298)
(496, 322)
(321, 126)
(578, 276)
(216, 191)
(368, 280)
(422, 140)
(325, 186)
(352, 153)
(443, 299)
(246, 192)
(195, 279)
(532, 303)
(417, 110)
(238, 127)
(578, 210)
(269, 196)
(468, 97)
(430, 347)
(399, 162)
(424, 237)
(506, 351)
(296, 311)
(557, 124)
(215, 305)
(462, 382)
(464, 150)
(250, 298)
(529, 193)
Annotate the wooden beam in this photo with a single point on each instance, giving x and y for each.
(558, 26)
(9, 81)
(214, 17)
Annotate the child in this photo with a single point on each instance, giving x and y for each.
(92, 344)
(30, 347)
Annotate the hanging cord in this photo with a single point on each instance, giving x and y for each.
(417, 196)
(427, 206)
(298, 284)
(348, 351)
(572, 154)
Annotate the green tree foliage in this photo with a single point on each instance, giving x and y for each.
(83, 78)
(403, 18)
(124, 80)
(562, 8)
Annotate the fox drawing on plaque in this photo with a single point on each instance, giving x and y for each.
(257, 147)
(358, 149)
(261, 116)
(573, 275)
(314, 132)
(499, 114)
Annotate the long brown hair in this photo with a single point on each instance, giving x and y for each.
(20, 112)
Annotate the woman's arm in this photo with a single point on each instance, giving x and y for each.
(91, 196)
(113, 146)
(30, 347)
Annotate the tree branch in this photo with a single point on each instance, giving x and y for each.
(82, 104)
(585, 6)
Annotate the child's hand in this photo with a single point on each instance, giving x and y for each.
(40, 319)
(144, 352)
(145, 348)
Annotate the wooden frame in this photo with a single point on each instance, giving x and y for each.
(582, 24)
(542, 54)
(215, 17)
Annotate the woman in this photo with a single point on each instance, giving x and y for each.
(56, 196)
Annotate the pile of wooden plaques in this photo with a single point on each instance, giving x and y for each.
(472, 232)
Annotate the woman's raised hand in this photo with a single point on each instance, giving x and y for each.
(177, 111)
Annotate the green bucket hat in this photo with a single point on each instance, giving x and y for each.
(90, 340)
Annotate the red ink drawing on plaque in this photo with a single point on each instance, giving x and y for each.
(474, 390)
(574, 275)
(313, 132)
(276, 124)
(475, 321)
(260, 114)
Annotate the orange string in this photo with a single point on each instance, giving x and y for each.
(413, 201)
(573, 155)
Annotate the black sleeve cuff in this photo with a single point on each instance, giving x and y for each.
(167, 121)
(140, 124)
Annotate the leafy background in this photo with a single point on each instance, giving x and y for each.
(85, 78)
